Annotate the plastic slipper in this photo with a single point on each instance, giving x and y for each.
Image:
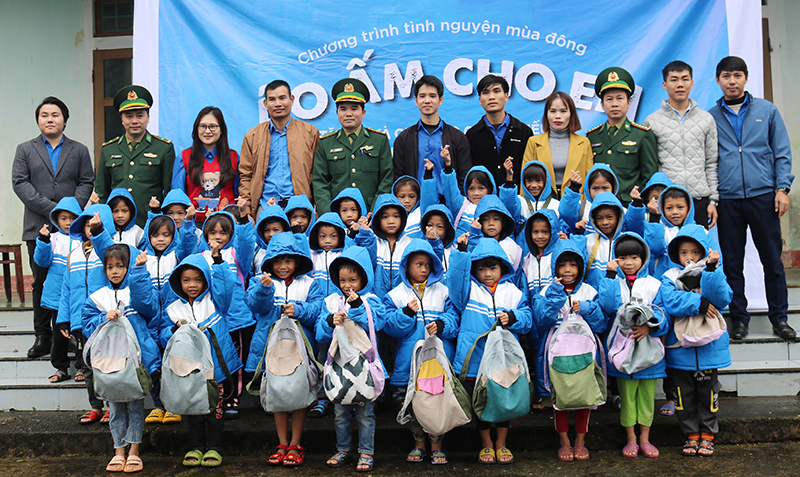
(690, 447)
(59, 376)
(631, 450)
(170, 418)
(649, 450)
(211, 459)
(80, 376)
(580, 453)
(365, 464)
(667, 409)
(106, 417)
(156, 416)
(116, 464)
(438, 454)
(565, 454)
(504, 452)
(706, 445)
(486, 451)
(192, 454)
(338, 459)
(133, 464)
(276, 458)
(320, 410)
(416, 455)
(293, 460)
(92, 416)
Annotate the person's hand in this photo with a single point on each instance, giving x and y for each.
(191, 212)
(446, 155)
(428, 165)
(430, 234)
(575, 178)
(635, 194)
(711, 313)
(215, 247)
(414, 305)
(66, 334)
(652, 206)
(781, 203)
(338, 318)
(241, 203)
(288, 309)
(509, 165)
(475, 223)
(463, 239)
(612, 265)
(45, 230)
(581, 224)
(266, 280)
(557, 280)
(363, 223)
(154, 203)
(141, 259)
(711, 210)
(713, 257)
(353, 296)
(503, 318)
(562, 236)
(112, 315)
(432, 328)
(95, 221)
(271, 201)
(94, 198)
(639, 332)
(576, 306)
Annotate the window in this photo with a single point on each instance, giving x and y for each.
(113, 17)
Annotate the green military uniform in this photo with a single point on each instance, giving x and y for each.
(628, 148)
(144, 169)
(366, 163)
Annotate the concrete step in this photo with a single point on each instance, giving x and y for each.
(36, 393)
(18, 365)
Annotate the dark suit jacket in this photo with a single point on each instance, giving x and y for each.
(39, 189)
(484, 151)
(406, 152)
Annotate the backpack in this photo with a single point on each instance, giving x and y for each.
(353, 372)
(627, 354)
(114, 355)
(696, 330)
(436, 397)
(188, 385)
(290, 372)
(573, 377)
(503, 383)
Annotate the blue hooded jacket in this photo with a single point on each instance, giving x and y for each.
(492, 203)
(537, 268)
(266, 301)
(462, 209)
(441, 247)
(322, 259)
(525, 204)
(387, 264)
(409, 326)
(270, 212)
(681, 303)
(301, 202)
(599, 246)
(573, 209)
(239, 250)
(353, 194)
(53, 254)
(479, 307)
(659, 234)
(131, 233)
(414, 215)
(657, 179)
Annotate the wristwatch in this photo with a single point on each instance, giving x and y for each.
(785, 190)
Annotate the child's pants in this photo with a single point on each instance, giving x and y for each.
(581, 420)
(638, 401)
(127, 422)
(205, 431)
(343, 417)
(60, 346)
(89, 377)
(698, 400)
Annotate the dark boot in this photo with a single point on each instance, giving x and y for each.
(40, 348)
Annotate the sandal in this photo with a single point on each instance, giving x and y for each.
(631, 450)
(706, 445)
(365, 464)
(211, 459)
(416, 455)
(170, 418)
(438, 454)
(106, 416)
(320, 410)
(580, 452)
(486, 451)
(90, 417)
(59, 376)
(156, 416)
(277, 457)
(667, 409)
(565, 454)
(338, 459)
(649, 450)
(192, 458)
(232, 409)
(293, 460)
(133, 464)
(504, 452)
(80, 376)
(117, 464)
(690, 447)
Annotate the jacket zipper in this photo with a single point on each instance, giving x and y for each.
(328, 281)
(739, 141)
(391, 261)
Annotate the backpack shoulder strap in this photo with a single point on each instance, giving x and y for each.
(592, 256)
(221, 360)
(529, 202)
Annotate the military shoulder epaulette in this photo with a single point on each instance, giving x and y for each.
(110, 141)
(162, 139)
(325, 136)
(640, 126)
(594, 128)
(376, 131)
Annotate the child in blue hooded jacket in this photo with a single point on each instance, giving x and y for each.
(123, 210)
(271, 221)
(283, 285)
(694, 369)
(492, 220)
(51, 252)
(420, 302)
(300, 213)
(436, 226)
(628, 282)
(607, 216)
(489, 297)
(536, 191)
(388, 223)
(177, 205)
(407, 191)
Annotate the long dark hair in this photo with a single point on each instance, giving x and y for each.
(197, 157)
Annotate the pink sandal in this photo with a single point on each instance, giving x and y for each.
(565, 454)
(649, 450)
(631, 450)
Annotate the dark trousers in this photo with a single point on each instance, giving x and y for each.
(701, 211)
(206, 431)
(698, 400)
(41, 316)
(87, 373)
(60, 346)
(735, 215)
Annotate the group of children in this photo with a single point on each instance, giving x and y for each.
(452, 265)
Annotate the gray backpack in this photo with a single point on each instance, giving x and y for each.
(188, 385)
(114, 355)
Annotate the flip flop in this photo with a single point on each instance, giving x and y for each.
(667, 409)
(133, 464)
(581, 450)
(339, 459)
(565, 454)
(366, 464)
(438, 454)
(92, 415)
(192, 454)
(211, 459)
(649, 450)
(631, 450)
(80, 376)
(484, 452)
(416, 455)
(116, 464)
(59, 376)
(106, 417)
(504, 452)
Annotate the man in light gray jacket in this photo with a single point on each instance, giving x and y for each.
(687, 142)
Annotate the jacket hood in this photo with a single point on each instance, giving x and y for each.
(176, 196)
(420, 245)
(492, 203)
(442, 210)
(485, 171)
(267, 213)
(133, 253)
(300, 202)
(689, 215)
(192, 261)
(691, 232)
(128, 198)
(232, 221)
(328, 218)
(607, 199)
(552, 218)
(657, 179)
(605, 167)
(76, 229)
(488, 247)
(148, 247)
(404, 178)
(570, 246)
(69, 204)
(287, 243)
(381, 202)
(359, 256)
(350, 193)
(547, 191)
(645, 260)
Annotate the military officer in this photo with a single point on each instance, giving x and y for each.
(353, 156)
(628, 148)
(137, 161)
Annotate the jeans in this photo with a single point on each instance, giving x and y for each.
(343, 417)
(127, 422)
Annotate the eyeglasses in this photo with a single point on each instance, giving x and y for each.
(210, 127)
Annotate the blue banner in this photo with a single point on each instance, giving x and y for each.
(223, 52)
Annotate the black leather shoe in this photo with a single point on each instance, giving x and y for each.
(40, 348)
(785, 331)
(739, 331)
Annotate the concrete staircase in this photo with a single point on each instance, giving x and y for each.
(763, 365)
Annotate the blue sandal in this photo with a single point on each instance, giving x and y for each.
(365, 464)
(339, 459)
(438, 454)
(667, 409)
(416, 455)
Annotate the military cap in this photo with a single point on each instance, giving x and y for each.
(350, 90)
(614, 77)
(132, 97)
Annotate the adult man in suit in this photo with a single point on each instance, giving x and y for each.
(46, 169)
